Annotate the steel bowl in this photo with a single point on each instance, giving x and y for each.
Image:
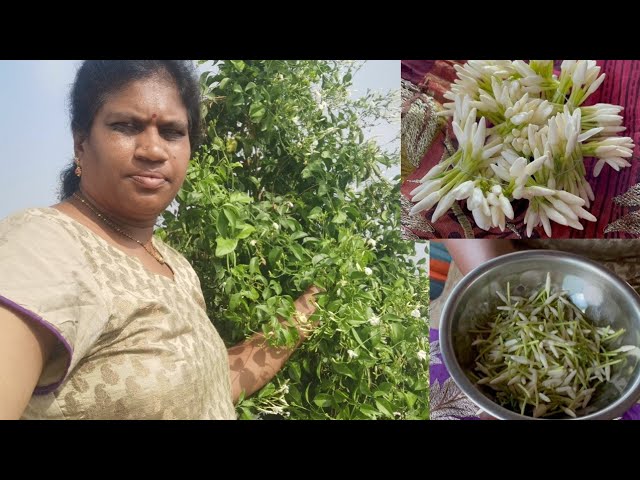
(603, 297)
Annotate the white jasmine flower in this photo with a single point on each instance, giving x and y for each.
(352, 354)
(367, 271)
(252, 243)
(415, 313)
(422, 355)
(610, 150)
(472, 138)
(275, 226)
(374, 321)
(482, 220)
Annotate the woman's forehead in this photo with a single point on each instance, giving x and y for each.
(157, 95)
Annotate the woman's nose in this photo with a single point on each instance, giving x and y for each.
(150, 146)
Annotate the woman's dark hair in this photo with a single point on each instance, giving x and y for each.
(97, 79)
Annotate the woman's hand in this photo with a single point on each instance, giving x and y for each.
(254, 362)
(468, 254)
(305, 306)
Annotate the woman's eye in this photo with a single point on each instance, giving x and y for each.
(173, 134)
(124, 126)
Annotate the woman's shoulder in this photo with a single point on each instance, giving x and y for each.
(36, 224)
(25, 214)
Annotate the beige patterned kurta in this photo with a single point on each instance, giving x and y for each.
(142, 346)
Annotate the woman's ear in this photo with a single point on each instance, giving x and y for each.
(78, 144)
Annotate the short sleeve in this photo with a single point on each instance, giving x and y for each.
(45, 276)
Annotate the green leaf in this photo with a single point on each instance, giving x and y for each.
(278, 289)
(397, 332)
(254, 265)
(228, 285)
(231, 145)
(315, 213)
(318, 258)
(357, 337)
(256, 112)
(234, 301)
(314, 169)
(274, 255)
(411, 398)
(225, 246)
(239, 197)
(194, 197)
(231, 215)
(238, 64)
(306, 393)
(294, 371)
(298, 251)
(222, 225)
(323, 400)
(291, 224)
(246, 231)
(342, 369)
(340, 217)
(385, 387)
(385, 407)
(369, 411)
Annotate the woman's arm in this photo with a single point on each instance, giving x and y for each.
(468, 254)
(254, 363)
(24, 349)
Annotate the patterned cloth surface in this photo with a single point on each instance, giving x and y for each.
(427, 139)
(131, 344)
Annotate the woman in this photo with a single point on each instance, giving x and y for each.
(99, 319)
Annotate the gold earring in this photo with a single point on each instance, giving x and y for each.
(78, 170)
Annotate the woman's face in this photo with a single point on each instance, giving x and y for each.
(137, 152)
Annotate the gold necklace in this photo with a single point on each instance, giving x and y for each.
(155, 254)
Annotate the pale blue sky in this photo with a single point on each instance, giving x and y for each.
(35, 138)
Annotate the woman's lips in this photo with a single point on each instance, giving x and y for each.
(148, 181)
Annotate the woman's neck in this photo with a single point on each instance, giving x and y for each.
(139, 230)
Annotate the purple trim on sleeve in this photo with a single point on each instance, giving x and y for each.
(17, 308)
